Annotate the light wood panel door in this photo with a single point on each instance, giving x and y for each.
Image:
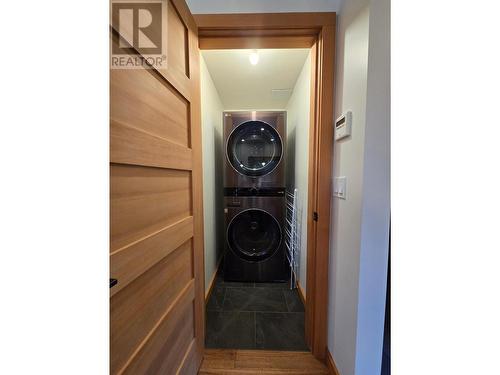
(156, 248)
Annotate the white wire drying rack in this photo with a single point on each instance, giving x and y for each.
(291, 236)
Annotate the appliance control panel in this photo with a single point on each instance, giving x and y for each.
(343, 126)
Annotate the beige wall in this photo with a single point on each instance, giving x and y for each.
(211, 122)
(298, 156)
(345, 235)
(360, 224)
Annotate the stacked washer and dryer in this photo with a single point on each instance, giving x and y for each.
(254, 196)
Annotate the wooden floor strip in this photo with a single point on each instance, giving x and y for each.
(230, 361)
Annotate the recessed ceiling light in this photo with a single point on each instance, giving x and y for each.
(254, 57)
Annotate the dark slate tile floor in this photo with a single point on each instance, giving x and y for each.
(254, 299)
(254, 316)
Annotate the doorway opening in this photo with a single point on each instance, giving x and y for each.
(256, 125)
(314, 31)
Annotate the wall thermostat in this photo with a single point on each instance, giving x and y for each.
(343, 126)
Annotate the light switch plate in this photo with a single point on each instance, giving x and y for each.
(340, 187)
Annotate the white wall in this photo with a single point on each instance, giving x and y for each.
(262, 6)
(376, 195)
(211, 122)
(360, 224)
(298, 123)
(352, 61)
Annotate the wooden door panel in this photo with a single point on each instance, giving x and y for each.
(168, 354)
(149, 104)
(181, 34)
(137, 308)
(156, 236)
(130, 180)
(177, 57)
(133, 146)
(131, 261)
(189, 363)
(153, 355)
(146, 200)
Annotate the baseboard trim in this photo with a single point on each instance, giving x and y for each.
(302, 295)
(212, 280)
(330, 363)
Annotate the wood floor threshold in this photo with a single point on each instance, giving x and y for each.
(233, 361)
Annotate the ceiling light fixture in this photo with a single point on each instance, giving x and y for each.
(254, 57)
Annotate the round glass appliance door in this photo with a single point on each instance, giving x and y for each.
(254, 235)
(254, 148)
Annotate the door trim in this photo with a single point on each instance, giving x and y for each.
(297, 30)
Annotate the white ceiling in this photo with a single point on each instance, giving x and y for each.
(263, 6)
(267, 85)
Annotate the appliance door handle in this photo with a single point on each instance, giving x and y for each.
(113, 282)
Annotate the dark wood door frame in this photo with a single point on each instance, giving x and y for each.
(297, 30)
